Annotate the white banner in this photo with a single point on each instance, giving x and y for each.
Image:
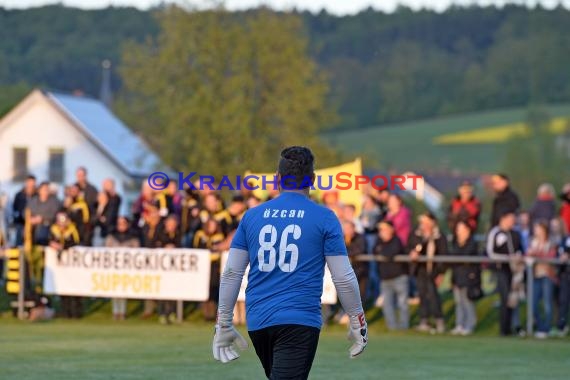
(329, 291)
(158, 274)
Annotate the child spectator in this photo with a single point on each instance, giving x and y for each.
(63, 235)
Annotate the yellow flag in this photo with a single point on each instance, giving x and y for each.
(326, 181)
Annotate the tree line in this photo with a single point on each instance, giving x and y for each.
(379, 67)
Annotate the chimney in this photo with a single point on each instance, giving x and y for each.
(106, 95)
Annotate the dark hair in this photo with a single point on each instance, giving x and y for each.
(125, 218)
(296, 167)
(544, 225)
(429, 215)
(506, 213)
(503, 176)
(83, 169)
(31, 176)
(238, 199)
(43, 183)
(465, 222)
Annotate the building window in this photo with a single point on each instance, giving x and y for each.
(20, 160)
(56, 165)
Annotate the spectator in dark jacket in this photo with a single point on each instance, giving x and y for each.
(169, 237)
(504, 241)
(465, 206)
(543, 208)
(150, 239)
(428, 242)
(356, 245)
(79, 213)
(43, 209)
(463, 276)
(209, 237)
(505, 201)
(394, 277)
(21, 201)
(108, 205)
(89, 193)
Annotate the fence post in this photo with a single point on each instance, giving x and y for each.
(22, 283)
(529, 296)
(179, 311)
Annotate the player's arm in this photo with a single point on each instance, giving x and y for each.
(226, 335)
(230, 284)
(348, 293)
(345, 283)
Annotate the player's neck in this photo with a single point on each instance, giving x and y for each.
(304, 192)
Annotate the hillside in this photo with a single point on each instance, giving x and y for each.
(417, 145)
(381, 68)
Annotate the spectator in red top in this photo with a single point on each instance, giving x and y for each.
(464, 207)
(565, 209)
(400, 216)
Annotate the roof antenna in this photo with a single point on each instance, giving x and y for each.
(106, 95)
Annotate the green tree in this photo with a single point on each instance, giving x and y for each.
(537, 158)
(220, 95)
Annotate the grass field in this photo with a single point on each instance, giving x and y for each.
(144, 350)
(412, 146)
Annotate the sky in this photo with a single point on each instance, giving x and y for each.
(339, 7)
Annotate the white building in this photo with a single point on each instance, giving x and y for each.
(50, 135)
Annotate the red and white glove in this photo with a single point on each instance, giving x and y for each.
(358, 334)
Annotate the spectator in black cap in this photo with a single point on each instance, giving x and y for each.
(505, 201)
(427, 241)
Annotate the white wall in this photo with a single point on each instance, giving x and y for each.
(40, 127)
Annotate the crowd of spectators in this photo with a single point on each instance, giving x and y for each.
(384, 227)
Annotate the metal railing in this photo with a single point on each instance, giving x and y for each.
(446, 259)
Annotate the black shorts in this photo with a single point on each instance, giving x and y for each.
(286, 351)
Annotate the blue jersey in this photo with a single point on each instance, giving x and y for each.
(287, 239)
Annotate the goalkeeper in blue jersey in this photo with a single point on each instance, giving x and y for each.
(286, 242)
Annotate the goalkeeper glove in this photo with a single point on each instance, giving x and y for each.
(225, 338)
(358, 334)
